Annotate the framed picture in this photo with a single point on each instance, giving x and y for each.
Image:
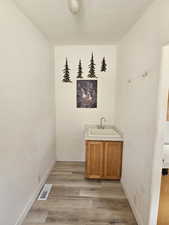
(86, 93)
(168, 108)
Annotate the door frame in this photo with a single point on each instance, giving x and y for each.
(159, 141)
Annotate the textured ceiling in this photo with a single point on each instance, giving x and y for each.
(98, 22)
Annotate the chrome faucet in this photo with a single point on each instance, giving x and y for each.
(101, 126)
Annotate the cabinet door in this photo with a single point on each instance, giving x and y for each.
(113, 160)
(94, 159)
(163, 217)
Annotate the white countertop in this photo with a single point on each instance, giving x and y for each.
(103, 137)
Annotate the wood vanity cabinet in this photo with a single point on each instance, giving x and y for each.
(103, 159)
(163, 216)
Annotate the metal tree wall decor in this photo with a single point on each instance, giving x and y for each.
(66, 74)
(80, 71)
(104, 65)
(92, 68)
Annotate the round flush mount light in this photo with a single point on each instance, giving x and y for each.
(74, 6)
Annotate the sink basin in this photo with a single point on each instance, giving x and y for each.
(165, 156)
(95, 133)
(106, 132)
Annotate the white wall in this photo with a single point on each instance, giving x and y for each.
(27, 118)
(140, 51)
(70, 121)
(166, 134)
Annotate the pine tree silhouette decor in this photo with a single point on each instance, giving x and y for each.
(80, 71)
(92, 68)
(66, 74)
(104, 65)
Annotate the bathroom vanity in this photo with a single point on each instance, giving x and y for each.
(104, 147)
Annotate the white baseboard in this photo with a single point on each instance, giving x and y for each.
(132, 205)
(34, 196)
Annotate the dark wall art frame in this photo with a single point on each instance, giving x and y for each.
(86, 94)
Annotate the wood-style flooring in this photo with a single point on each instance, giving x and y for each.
(76, 201)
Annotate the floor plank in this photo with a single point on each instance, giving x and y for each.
(74, 200)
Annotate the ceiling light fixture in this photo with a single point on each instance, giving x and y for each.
(74, 6)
